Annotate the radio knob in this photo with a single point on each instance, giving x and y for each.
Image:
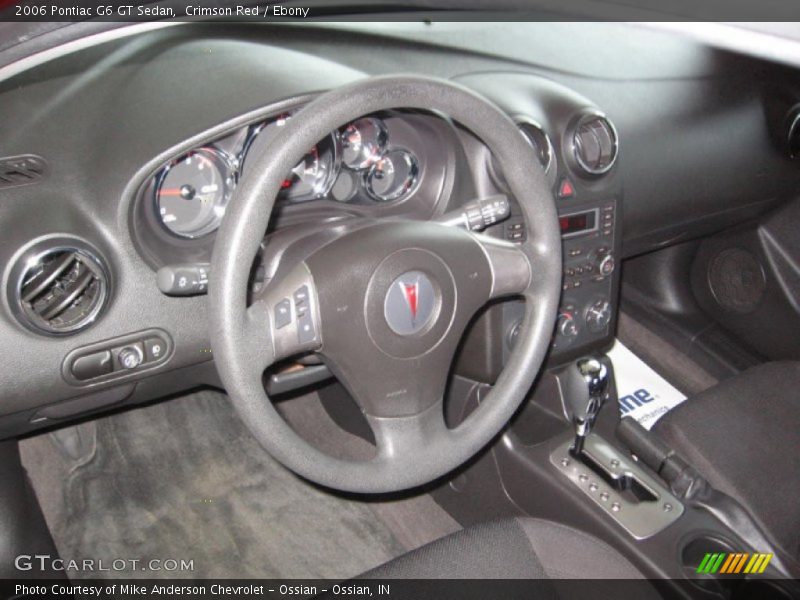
(567, 326)
(605, 265)
(598, 316)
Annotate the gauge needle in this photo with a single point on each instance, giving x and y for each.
(169, 192)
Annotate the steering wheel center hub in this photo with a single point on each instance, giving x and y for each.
(410, 304)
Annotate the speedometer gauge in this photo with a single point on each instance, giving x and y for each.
(193, 191)
(313, 176)
(363, 143)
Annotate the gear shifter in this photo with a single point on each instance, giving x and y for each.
(585, 390)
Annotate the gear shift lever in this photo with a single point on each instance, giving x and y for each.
(585, 391)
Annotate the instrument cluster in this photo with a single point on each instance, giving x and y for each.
(357, 164)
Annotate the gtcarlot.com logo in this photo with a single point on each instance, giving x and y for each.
(45, 562)
(731, 563)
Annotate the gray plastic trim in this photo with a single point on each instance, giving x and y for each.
(117, 342)
(640, 519)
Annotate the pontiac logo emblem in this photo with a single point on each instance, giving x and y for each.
(410, 303)
(411, 291)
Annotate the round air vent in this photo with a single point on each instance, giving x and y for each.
(540, 141)
(543, 147)
(595, 144)
(61, 287)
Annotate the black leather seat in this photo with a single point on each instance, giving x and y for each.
(522, 548)
(743, 436)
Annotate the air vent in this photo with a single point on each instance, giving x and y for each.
(536, 136)
(540, 141)
(61, 290)
(594, 144)
(21, 170)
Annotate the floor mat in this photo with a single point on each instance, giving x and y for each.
(414, 520)
(184, 479)
(670, 362)
(643, 394)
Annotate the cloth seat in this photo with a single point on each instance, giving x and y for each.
(523, 548)
(742, 435)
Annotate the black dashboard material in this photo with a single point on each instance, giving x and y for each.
(696, 153)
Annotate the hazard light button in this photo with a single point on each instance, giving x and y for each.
(566, 189)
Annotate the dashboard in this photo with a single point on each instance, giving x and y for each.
(124, 176)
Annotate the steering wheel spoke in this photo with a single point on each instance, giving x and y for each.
(386, 387)
(286, 315)
(257, 335)
(400, 437)
(511, 268)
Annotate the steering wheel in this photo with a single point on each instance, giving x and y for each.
(384, 303)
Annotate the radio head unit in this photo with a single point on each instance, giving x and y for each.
(577, 223)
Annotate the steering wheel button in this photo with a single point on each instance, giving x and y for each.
(306, 332)
(301, 296)
(283, 313)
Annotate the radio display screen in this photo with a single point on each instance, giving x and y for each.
(577, 222)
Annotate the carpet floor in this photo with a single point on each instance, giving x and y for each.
(184, 479)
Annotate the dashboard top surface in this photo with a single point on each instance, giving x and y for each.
(696, 147)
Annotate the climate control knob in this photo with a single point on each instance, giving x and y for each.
(598, 316)
(567, 327)
(605, 265)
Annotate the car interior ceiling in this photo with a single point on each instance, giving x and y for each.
(660, 415)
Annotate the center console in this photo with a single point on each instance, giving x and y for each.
(589, 264)
(581, 153)
(590, 248)
(568, 459)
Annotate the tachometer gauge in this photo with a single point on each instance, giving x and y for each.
(393, 176)
(309, 177)
(313, 176)
(363, 143)
(193, 191)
